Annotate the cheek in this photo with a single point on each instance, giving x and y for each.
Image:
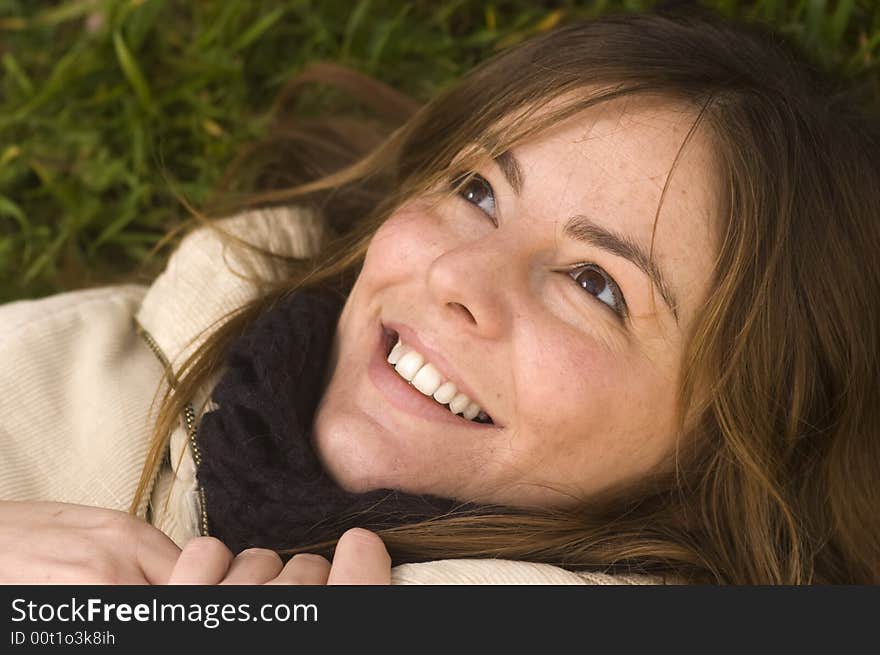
(405, 240)
(567, 385)
(591, 404)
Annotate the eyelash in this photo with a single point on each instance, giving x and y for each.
(461, 182)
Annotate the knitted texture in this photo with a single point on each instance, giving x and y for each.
(264, 484)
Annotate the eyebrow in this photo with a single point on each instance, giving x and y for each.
(510, 167)
(582, 228)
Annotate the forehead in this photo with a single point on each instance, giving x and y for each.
(614, 163)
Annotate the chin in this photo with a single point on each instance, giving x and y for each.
(341, 453)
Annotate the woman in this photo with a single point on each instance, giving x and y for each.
(608, 304)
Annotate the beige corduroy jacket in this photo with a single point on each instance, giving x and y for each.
(78, 380)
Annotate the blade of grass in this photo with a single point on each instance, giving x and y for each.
(351, 27)
(65, 12)
(138, 148)
(140, 21)
(380, 39)
(839, 20)
(491, 18)
(814, 18)
(46, 258)
(256, 30)
(9, 154)
(61, 74)
(549, 21)
(17, 73)
(814, 34)
(9, 208)
(445, 10)
(128, 214)
(211, 35)
(132, 72)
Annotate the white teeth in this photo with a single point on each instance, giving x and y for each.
(396, 353)
(425, 377)
(471, 411)
(459, 403)
(409, 365)
(427, 380)
(445, 393)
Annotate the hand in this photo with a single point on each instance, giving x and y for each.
(63, 543)
(360, 559)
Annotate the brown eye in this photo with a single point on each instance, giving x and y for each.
(592, 281)
(596, 282)
(476, 191)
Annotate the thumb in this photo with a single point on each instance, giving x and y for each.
(360, 559)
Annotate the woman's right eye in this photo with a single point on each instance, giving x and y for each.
(476, 190)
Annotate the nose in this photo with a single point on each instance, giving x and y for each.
(465, 282)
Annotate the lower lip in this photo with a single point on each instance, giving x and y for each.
(405, 397)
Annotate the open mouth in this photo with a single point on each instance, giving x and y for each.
(420, 373)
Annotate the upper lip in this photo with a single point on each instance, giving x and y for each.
(410, 338)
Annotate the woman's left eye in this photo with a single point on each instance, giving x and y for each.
(476, 190)
(598, 283)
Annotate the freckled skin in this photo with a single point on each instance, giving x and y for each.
(585, 401)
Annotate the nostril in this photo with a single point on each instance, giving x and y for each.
(465, 310)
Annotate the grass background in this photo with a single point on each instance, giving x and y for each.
(103, 101)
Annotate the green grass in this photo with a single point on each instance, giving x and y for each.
(102, 102)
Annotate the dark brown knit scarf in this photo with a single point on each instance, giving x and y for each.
(264, 485)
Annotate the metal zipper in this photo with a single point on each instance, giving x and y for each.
(188, 420)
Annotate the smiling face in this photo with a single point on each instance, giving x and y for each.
(530, 292)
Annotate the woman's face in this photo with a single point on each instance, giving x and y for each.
(531, 292)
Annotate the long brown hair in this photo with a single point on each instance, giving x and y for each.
(782, 482)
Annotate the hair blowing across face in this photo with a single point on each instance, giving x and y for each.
(778, 475)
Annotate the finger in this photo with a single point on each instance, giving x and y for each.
(204, 560)
(253, 566)
(156, 555)
(304, 569)
(360, 558)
